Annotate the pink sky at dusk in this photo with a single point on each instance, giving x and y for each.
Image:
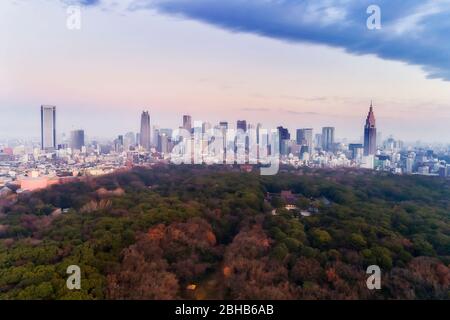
(119, 63)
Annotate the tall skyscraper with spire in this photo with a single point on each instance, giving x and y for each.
(144, 137)
(370, 134)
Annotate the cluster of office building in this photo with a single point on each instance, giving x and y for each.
(30, 165)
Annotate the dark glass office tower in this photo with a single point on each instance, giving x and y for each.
(305, 138)
(242, 125)
(285, 136)
(77, 139)
(187, 123)
(328, 138)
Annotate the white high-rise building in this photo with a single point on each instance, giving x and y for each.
(145, 136)
(48, 127)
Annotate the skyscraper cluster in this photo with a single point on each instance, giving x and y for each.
(304, 143)
(74, 156)
(153, 143)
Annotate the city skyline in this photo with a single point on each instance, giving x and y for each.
(185, 66)
(144, 138)
(143, 135)
(198, 142)
(329, 132)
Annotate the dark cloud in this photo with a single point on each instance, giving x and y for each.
(413, 31)
(83, 2)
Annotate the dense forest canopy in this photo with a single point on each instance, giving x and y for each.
(195, 232)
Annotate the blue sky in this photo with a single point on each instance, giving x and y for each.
(297, 63)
